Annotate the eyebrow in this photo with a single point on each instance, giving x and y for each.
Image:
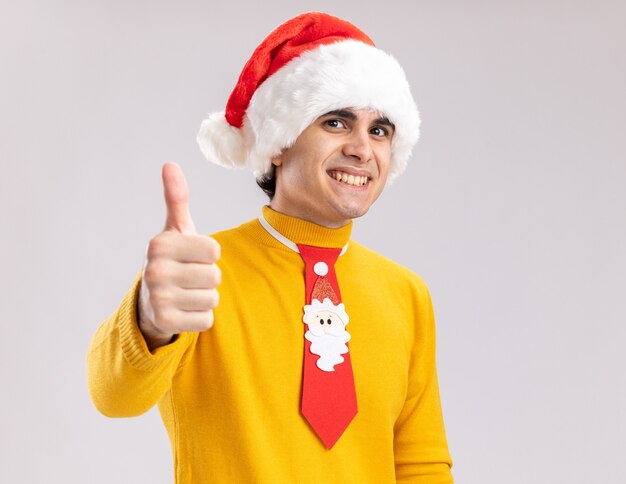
(345, 113)
(342, 113)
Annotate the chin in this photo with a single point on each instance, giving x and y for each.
(352, 212)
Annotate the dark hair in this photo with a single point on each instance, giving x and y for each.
(267, 182)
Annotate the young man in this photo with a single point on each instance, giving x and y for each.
(315, 361)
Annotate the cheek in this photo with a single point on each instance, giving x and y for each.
(304, 162)
(295, 173)
(336, 328)
(383, 156)
(316, 328)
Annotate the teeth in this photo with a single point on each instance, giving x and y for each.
(350, 179)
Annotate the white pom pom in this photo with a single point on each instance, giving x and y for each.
(222, 143)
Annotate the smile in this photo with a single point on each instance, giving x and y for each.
(354, 180)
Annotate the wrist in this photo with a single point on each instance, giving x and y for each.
(153, 337)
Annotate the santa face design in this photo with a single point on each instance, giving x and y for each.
(326, 324)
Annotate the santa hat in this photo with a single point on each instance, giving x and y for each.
(308, 66)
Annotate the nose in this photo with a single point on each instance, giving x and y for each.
(358, 145)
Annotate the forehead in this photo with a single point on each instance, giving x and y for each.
(325, 312)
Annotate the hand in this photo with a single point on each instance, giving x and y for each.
(180, 276)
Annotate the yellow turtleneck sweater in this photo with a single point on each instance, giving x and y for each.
(230, 397)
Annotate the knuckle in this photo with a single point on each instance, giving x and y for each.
(160, 272)
(206, 322)
(215, 275)
(160, 298)
(198, 322)
(155, 247)
(214, 248)
(152, 272)
(213, 298)
(161, 245)
(164, 320)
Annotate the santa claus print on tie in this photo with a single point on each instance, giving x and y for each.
(327, 332)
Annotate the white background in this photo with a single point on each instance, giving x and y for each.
(513, 209)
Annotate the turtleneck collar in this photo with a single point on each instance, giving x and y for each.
(302, 232)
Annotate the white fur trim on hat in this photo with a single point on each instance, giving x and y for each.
(345, 74)
(222, 143)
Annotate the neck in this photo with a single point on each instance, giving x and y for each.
(302, 231)
(306, 216)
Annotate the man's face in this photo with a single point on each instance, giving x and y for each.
(336, 169)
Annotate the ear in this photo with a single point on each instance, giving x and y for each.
(277, 160)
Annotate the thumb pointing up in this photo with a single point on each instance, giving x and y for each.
(176, 200)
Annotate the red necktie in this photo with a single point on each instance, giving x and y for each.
(328, 391)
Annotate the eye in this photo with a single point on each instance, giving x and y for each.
(321, 321)
(379, 131)
(334, 123)
(328, 321)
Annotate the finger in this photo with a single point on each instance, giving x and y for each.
(190, 321)
(184, 248)
(176, 194)
(174, 320)
(197, 299)
(198, 276)
(196, 248)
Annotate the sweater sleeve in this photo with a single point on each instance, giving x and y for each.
(125, 379)
(420, 445)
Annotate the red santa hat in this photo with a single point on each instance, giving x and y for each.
(308, 66)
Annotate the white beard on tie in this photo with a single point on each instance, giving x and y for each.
(329, 347)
